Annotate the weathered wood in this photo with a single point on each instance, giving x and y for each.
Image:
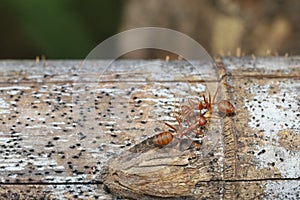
(61, 122)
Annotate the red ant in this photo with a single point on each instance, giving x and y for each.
(224, 106)
(166, 137)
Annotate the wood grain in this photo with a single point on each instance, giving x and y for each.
(76, 130)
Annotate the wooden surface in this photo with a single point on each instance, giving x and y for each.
(72, 130)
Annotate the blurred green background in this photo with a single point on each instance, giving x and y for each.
(70, 29)
(55, 28)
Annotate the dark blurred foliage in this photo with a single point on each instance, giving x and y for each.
(55, 28)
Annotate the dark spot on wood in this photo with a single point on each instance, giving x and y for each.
(261, 152)
(113, 135)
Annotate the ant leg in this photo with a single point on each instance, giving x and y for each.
(218, 88)
(181, 127)
(186, 111)
(205, 100)
(187, 117)
(193, 142)
(179, 122)
(215, 95)
(172, 127)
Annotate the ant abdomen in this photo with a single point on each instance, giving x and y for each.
(226, 107)
(163, 138)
